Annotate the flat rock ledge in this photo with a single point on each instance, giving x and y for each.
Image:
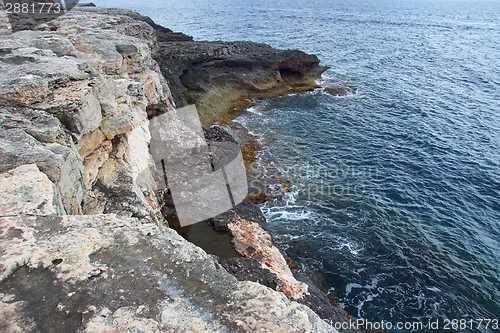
(109, 273)
(84, 246)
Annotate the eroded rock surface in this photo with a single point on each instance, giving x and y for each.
(95, 273)
(214, 75)
(253, 241)
(74, 98)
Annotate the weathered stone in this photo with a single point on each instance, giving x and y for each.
(60, 163)
(29, 73)
(25, 90)
(36, 196)
(94, 162)
(156, 89)
(40, 125)
(118, 123)
(12, 320)
(77, 107)
(60, 45)
(66, 171)
(252, 241)
(56, 61)
(213, 75)
(250, 269)
(148, 275)
(89, 142)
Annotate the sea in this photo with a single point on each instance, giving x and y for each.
(396, 189)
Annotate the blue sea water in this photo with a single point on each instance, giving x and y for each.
(396, 189)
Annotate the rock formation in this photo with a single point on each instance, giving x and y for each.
(214, 75)
(84, 246)
(110, 273)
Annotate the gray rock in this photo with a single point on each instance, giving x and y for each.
(103, 272)
(59, 162)
(87, 74)
(60, 45)
(36, 195)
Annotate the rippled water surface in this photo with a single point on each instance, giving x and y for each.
(397, 189)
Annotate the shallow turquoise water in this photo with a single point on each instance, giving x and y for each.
(410, 227)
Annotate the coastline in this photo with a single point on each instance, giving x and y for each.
(346, 236)
(87, 167)
(223, 79)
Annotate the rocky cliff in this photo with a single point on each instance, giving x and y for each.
(84, 243)
(214, 75)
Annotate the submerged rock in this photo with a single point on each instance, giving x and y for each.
(339, 90)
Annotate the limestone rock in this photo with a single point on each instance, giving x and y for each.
(90, 76)
(105, 272)
(213, 75)
(77, 107)
(253, 241)
(29, 136)
(90, 142)
(38, 124)
(36, 196)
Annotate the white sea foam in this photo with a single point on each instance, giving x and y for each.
(362, 303)
(435, 289)
(353, 248)
(350, 287)
(255, 110)
(288, 215)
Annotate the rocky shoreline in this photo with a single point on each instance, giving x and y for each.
(85, 239)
